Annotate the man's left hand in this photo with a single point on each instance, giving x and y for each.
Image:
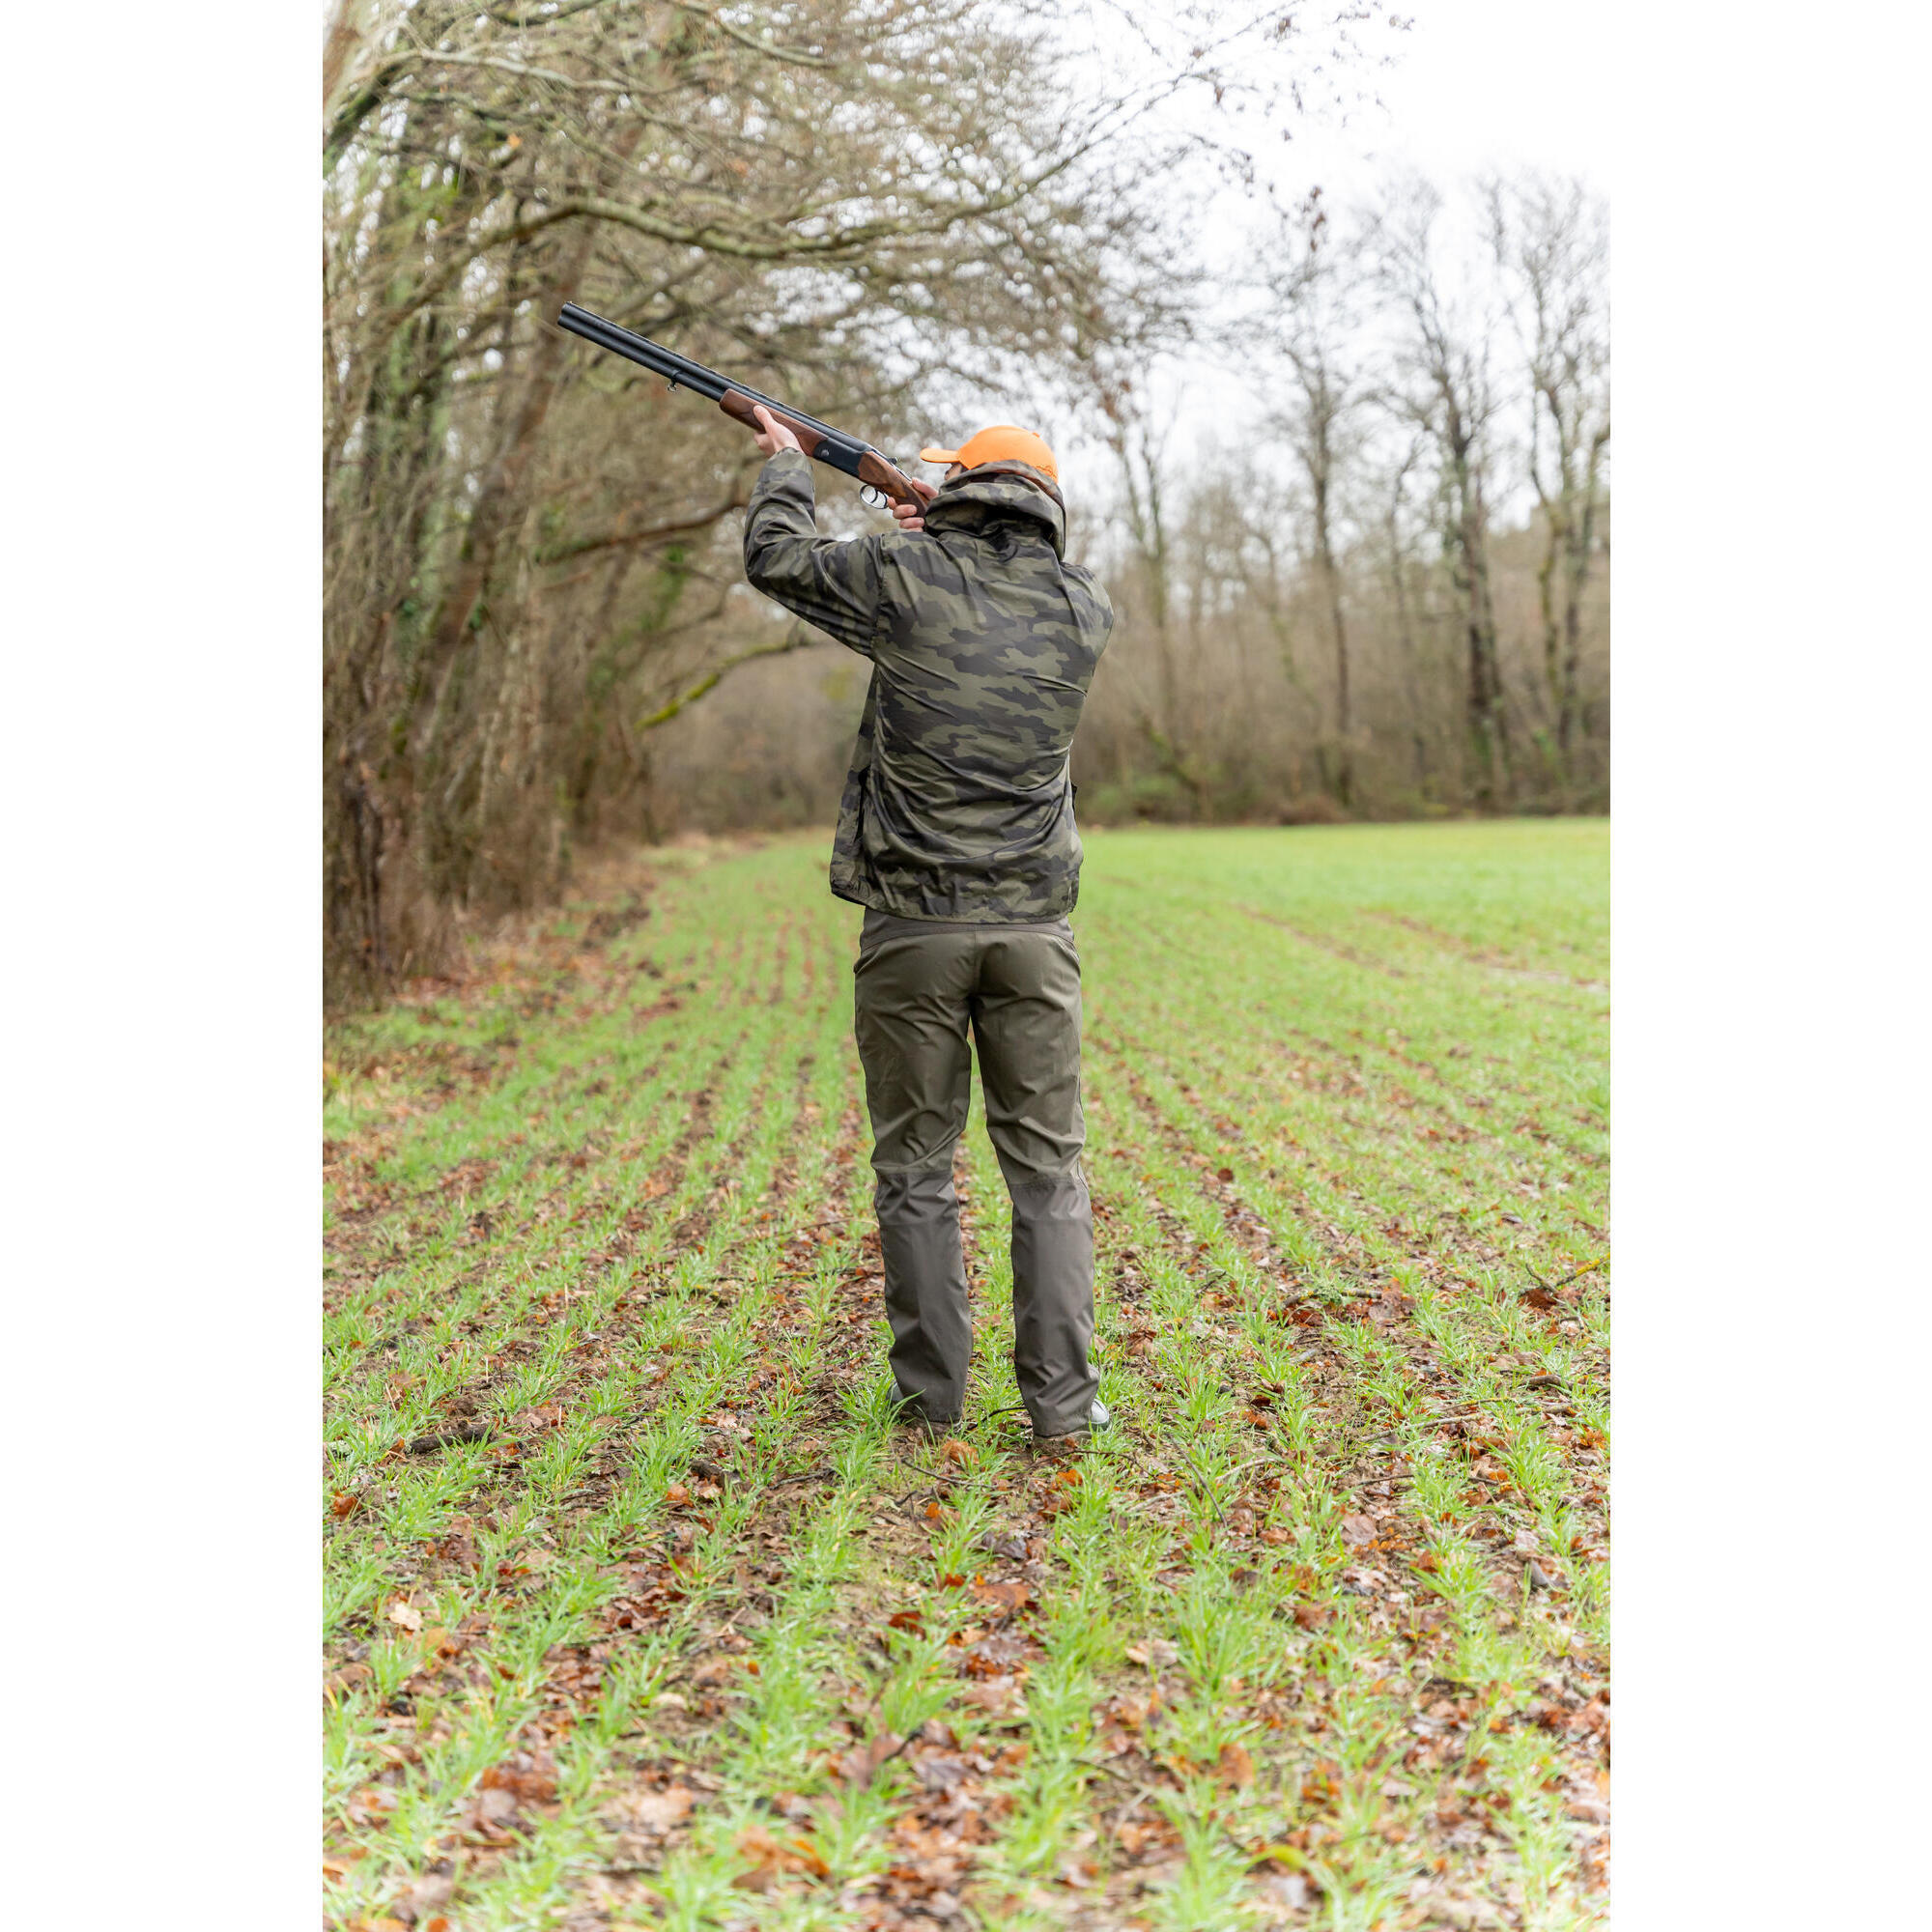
(772, 434)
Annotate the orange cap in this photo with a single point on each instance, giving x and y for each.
(1002, 443)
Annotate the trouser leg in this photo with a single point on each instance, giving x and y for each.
(910, 1017)
(1026, 1019)
(926, 1288)
(1053, 1299)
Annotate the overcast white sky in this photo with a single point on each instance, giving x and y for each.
(1480, 82)
(1476, 84)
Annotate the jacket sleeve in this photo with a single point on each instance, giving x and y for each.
(837, 587)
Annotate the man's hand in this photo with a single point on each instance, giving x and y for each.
(908, 514)
(772, 434)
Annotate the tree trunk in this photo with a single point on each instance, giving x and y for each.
(1486, 727)
(1582, 532)
(501, 504)
(1331, 584)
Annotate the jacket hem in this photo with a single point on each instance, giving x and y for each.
(858, 896)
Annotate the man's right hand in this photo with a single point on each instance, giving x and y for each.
(911, 515)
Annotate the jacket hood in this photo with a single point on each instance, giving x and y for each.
(996, 492)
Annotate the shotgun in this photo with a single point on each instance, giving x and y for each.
(836, 448)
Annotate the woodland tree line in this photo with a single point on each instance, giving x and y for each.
(1387, 595)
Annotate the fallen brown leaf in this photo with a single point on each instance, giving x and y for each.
(773, 1858)
(660, 1810)
(536, 1787)
(1134, 1838)
(423, 1895)
(859, 1766)
(1007, 1597)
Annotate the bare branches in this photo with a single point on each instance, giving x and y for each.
(769, 49)
(795, 639)
(628, 539)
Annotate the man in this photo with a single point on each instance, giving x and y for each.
(957, 836)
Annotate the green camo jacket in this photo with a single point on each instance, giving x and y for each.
(959, 804)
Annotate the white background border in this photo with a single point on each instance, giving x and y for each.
(160, 1230)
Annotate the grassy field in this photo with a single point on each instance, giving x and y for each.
(640, 1612)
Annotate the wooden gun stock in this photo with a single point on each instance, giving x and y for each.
(856, 459)
(892, 482)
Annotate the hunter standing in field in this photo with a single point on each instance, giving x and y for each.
(956, 835)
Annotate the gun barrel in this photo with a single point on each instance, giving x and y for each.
(837, 448)
(639, 349)
(841, 448)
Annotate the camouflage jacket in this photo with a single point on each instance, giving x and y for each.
(983, 641)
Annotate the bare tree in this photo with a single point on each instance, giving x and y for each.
(1551, 244)
(1444, 384)
(1311, 325)
(1165, 714)
(1398, 571)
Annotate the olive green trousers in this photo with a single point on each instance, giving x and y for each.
(921, 988)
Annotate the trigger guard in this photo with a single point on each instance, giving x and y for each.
(874, 498)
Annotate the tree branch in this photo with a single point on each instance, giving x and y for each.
(621, 538)
(794, 640)
(792, 56)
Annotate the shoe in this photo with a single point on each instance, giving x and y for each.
(910, 1413)
(1099, 1417)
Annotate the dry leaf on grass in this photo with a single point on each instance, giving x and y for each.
(660, 1810)
(770, 1859)
(860, 1765)
(1007, 1599)
(421, 1897)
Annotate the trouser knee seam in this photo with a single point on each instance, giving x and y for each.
(1051, 1179)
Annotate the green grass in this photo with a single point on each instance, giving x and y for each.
(640, 1611)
